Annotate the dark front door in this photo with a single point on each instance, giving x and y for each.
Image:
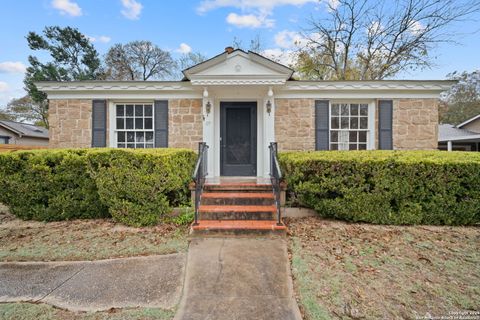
(238, 138)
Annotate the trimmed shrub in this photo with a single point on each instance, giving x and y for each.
(49, 185)
(386, 187)
(135, 187)
(138, 187)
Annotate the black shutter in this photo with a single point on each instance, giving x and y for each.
(161, 123)
(322, 125)
(385, 116)
(99, 123)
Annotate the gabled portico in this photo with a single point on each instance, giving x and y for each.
(232, 82)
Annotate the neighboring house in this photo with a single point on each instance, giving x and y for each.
(238, 102)
(18, 133)
(462, 137)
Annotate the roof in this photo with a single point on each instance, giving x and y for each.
(224, 55)
(468, 121)
(25, 129)
(448, 132)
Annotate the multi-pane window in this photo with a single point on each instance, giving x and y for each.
(4, 139)
(348, 126)
(134, 125)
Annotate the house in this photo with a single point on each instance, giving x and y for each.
(238, 102)
(462, 137)
(18, 133)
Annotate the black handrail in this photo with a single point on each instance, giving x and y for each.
(275, 178)
(199, 175)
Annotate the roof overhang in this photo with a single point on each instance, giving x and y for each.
(468, 121)
(382, 89)
(238, 68)
(467, 138)
(368, 89)
(9, 128)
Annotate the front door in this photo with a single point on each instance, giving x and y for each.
(238, 138)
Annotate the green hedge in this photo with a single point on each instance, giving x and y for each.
(135, 187)
(387, 187)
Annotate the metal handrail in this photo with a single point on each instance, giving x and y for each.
(275, 178)
(199, 175)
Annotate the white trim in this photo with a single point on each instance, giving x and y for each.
(192, 73)
(231, 82)
(388, 85)
(112, 125)
(468, 121)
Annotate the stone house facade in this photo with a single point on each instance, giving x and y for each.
(238, 102)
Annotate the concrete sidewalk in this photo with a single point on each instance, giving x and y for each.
(153, 281)
(238, 278)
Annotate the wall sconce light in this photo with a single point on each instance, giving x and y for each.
(269, 103)
(269, 107)
(208, 107)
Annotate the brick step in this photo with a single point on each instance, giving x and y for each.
(238, 227)
(235, 187)
(238, 198)
(236, 212)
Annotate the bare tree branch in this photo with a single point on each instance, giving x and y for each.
(362, 39)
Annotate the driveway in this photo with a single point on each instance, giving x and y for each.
(238, 278)
(154, 281)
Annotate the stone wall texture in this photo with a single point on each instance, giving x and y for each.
(415, 124)
(70, 123)
(185, 123)
(295, 124)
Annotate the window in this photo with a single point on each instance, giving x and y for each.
(349, 126)
(4, 139)
(134, 125)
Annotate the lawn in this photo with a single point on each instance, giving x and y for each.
(28, 311)
(352, 271)
(84, 239)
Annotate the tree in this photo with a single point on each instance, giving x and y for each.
(73, 58)
(138, 60)
(255, 44)
(370, 40)
(190, 59)
(462, 101)
(26, 110)
(4, 115)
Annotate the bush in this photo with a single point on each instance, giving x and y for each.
(387, 187)
(134, 187)
(49, 185)
(139, 187)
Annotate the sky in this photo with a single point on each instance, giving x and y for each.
(205, 26)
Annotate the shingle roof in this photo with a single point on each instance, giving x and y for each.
(25, 129)
(448, 132)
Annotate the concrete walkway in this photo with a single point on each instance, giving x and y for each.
(154, 281)
(238, 278)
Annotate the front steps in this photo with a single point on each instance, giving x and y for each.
(243, 207)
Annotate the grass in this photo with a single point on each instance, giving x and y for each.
(28, 311)
(351, 271)
(86, 239)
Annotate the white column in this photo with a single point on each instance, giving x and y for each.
(268, 130)
(449, 145)
(209, 130)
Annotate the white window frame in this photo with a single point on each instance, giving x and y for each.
(113, 120)
(371, 120)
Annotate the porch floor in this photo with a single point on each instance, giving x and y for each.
(237, 181)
